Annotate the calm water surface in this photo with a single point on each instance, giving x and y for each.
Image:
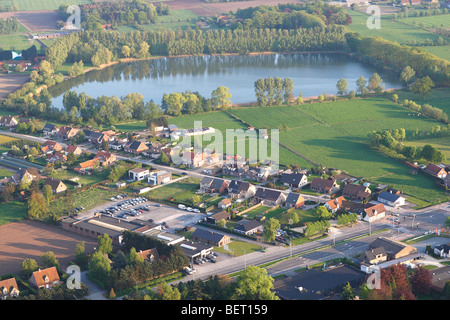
(312, 74)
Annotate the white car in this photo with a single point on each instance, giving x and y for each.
(196, 210)
(189, 209)
(182, 206)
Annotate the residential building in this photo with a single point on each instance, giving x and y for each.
(138, 174)
(327, 186)
(67, 133)
(260, 173)
(9, 289)
(87, 165)
(249, 227)
(75, 149)
(51, 146)
(26, 176)
(238, 189)
(159, 177)
(436, 170)
(210, 238)
(135, 147)
(442, 250)
(8, 121)
(96, 138)
(269, 197)
(356, 191)
(106, 158)
(149, 254)
(447, 180)
(224, 203)
(213, 185)
(46, 278)
(218, 216)
(391, 199)
(57, 185)
(56, 156)
(234, 170)
(294, 200)
(374, 256)
(334, 204)
(295, 180)
(116, 145)
(49, 130)
(374, 212)
(193, 159)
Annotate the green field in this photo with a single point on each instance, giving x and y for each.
(438, 98)
(12, 211)
(180, 15)
(16, 42)
(443, 144)
(442, 20)
(32, 5)
(182, 190)
(5, 173)
(442, 51)
(238, 248)
(390, 30)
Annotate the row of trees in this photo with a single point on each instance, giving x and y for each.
(389, 140)
(273, 91)
(9, 25)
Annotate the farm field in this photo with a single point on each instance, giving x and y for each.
(443, 144)
(442, 20)
(338, 139)
(440, 51)
(389, 29)
(31, 5)
(12, 211)
(5, 139)
(438, 97)
(15, 42)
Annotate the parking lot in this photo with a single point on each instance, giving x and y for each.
(130, 208)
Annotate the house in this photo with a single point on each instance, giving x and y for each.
(436, 171)
(248, 227)
(296, 180)
(74, 149)
(106, 158)
(416, 2)
(447, 180)
(96, 138)
(116, 145)
(269, 197)
(234, 170)
(138, 174)
(327, 186)
(224, 203)
(87, 165)
(56, 156)
(135, 147)
(294, 200)
(213, 185)
(241, 190)
(9, 289)
(374, 212)
(26, 176)
(356, 191)
(8, 121)
(57, 185)
(211, 238)
(374, 256)
(334, 204)
(391, 199)
(261, 173)
(46, 278)
(149, 255)
(442, 250)
(193, 159)
(51, 146)
(394, 249)
(218, 216)
(49, 130)
(159, 177)
(67, 133)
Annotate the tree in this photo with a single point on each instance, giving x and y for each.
(99, 266)
(80, 253)
(221, 97)
(105, 145)
(360, 84)
(348, 293)
(289, 217)
(288, 89)
(407, 75)
(270, 229)
(421, 281)
(166, 292)
(341, 86)
(221, 223)
(254, 284)
(49, 260)
(126, 51)
(36, 206)
(422, 86)
(28, 267)
(104, 244)
(375, 83)
(323, 213)
(134, 257)
(410, 152)
(48, 193)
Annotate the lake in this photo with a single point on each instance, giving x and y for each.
(312, 74)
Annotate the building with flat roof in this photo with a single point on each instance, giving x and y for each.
(195, 250)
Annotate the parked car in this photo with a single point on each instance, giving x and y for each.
(182, 206)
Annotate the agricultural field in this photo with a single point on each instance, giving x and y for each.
(32, 5)
(15, 42)
(428, 22)
(443, 144)
(438, 98)
(5, 139)
(390, 30)
(12, 211)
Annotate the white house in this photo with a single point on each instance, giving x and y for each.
(374, 213)
(391, 199)
(443, 250)
(138, 174)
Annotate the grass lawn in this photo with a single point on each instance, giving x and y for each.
(16, 42)
(84, 180)
(5, 173)
(12, 211)
(253, 213)
(440, 51)
(6, 139)
(443, 144)
(239, 248)
(176, 16)
(181, 190)
(31, 5)
(438, 98)
(88, 199)
(442, 20)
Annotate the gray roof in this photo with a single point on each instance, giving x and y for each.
(292, 198)
(292, 178)
(248, 225)
(208, 235)
(267, 194)
(388, 196)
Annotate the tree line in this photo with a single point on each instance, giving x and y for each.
(9, 25)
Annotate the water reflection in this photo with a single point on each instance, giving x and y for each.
(312, 73)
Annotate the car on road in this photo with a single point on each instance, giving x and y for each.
(189, 270)
(196, 210)
(182, 206)
(189, 209)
